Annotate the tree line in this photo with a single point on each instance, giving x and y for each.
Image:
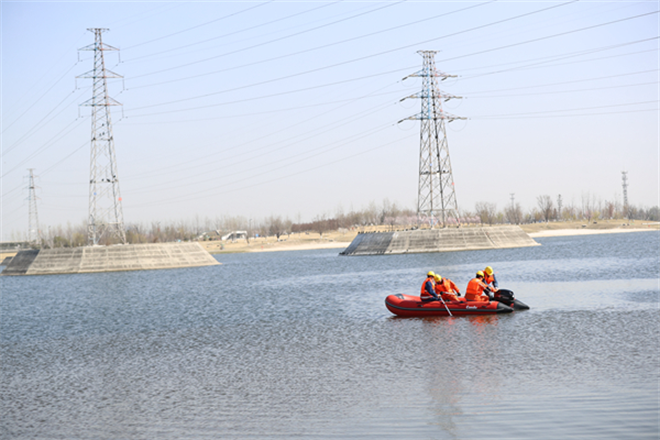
(548, 209)
(386, 214)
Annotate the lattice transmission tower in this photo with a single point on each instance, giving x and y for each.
(34, 233)
(106, 218)
(624, 178)
(436, 199)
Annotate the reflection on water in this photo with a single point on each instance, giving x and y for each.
(307, 348)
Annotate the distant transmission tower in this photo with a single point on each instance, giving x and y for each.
(559, 207)
(34, 233)
(106, 218)
(436, 199)
(624, 178)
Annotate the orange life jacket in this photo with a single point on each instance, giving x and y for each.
(424, 295)
(475, 290)
(488, 279)
(447, 286)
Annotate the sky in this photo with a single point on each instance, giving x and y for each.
(291, 108)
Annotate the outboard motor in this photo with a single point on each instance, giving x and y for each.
(507, 297)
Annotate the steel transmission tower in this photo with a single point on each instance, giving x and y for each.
(106, 218)
(624, 178)
(436, 199)
(34, 233)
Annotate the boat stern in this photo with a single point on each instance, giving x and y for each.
(503, 308)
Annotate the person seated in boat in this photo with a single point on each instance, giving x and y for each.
(428, 288)
(489, 278)
(476, 288)
(446, 289)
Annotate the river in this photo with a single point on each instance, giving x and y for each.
(300, 345)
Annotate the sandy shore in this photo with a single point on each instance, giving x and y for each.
(300, 247)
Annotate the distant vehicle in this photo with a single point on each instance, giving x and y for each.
(235, 235)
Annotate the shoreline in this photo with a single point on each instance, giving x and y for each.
(313, 245)
(342, 241)
(569, 232)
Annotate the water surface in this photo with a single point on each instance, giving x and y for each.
(300, 345)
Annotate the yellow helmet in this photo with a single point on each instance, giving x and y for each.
(430, 274)
(438, 278)
(480, 274)
(488, 270)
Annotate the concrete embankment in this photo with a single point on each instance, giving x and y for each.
(109, 259)
(439, 240)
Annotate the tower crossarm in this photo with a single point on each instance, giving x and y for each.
(439, 116)
(91, 102)
(444, 96)
(106, 74)
(421, 74)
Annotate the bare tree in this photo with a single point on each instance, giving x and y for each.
(514, 214)
(276, 226)
(546, 206)
(320, 224)
(371, 214)
(486, 211)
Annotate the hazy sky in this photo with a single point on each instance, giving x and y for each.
(291, 108)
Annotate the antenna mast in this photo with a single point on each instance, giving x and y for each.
(106, 218)
(436, 199)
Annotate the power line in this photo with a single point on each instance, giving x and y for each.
(563, 82)
(232, 33)
(287, 142)
(269, 41)
(309, 50)
(41, 124)
(306, 170)
(392, 50)
(199, 25)
(266, 96)
(253, 113)
(529, 116)
(47, 170)
(48, 144)
(546, 60)
(566, 110)
(534, 40)
(570, 91)
(38, 99)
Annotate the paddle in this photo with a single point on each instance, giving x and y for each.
(445, 304)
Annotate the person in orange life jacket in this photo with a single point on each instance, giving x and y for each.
(489, 278)
(476, 288)
(446, 289)
(428, 288)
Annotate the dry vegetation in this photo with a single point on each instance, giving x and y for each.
(336, 231)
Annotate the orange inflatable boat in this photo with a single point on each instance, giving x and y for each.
(413, 306)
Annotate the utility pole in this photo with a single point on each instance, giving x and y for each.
(624, 178)
(559, 216)
(436, 198)
(106, 218)
(34, 233)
